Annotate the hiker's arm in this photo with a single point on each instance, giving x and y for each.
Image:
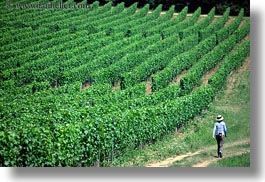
(225, 129)
(214, 128)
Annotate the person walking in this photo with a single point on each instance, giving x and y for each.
(219, 132)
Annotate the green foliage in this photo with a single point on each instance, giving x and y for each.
(195, 29)
(230, 63)
(206, 32)
(143, 11)
(60, 101)
(208, 61)
(84, 2)
(168, 14)
(242, 160)
(95, 5)
(158, 61)
(131, 10)
(91, 29)
(224, 33)
(181, 62)
(112, 74)
(70, 2)
(155, 13)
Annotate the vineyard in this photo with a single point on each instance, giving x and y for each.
(80, 86)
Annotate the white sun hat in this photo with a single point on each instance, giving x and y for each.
(219, 118)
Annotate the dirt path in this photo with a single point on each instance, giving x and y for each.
(207, 162)
(169, 161)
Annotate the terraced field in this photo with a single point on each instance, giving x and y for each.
(80, 86)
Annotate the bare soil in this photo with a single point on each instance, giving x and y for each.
(117, 86)
(232, 81)
(178, 78)
(169, 161)
(209, 74)
(148, 85)
(208, 162)
(85, 86)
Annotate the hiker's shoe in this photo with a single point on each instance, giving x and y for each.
(221, 155)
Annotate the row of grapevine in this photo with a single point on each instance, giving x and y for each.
(123, 105)
(33, 39)
(202, 24)
(61, 110)
(23, 13)
(49, 60)
(157, 62)
(183, 25)
(222, 34)
(18, 34)
(113, 72)
(149, 21)
(117, 19)
(83, 142)
(164, 25)
(206, 32)
(82, 28)
(84, 72)
(31, 21)
(209, 61)
(47, 112)
(85, 68)
(34, 63)
(23, 76)
(48, 43)
(70, 47)
(170, 92)
(70, 23)
(135, 27)
(230, 63)
(119, 96)
(48, 31)
(114, 132)
(181, 62)
(185, 60)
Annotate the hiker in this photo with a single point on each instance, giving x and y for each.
(219, 132)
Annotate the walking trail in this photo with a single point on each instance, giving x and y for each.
(169, 161)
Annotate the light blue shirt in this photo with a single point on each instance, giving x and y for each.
(219, 128)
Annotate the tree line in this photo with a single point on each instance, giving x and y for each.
(206, 5)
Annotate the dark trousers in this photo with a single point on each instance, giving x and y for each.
(220, 142)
